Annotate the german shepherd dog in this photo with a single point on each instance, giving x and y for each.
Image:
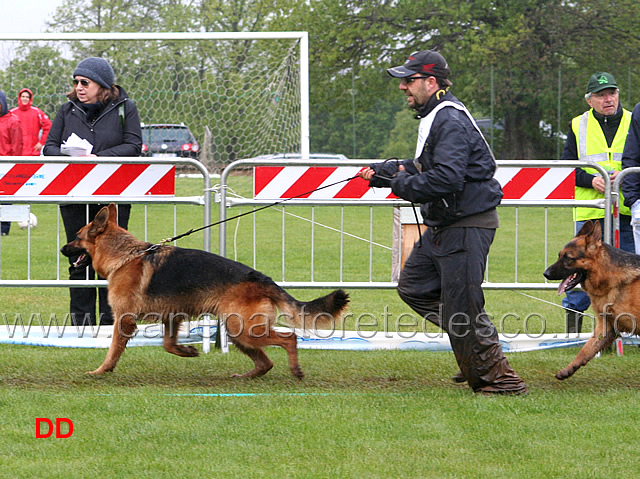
(611, 278)
(170, 284)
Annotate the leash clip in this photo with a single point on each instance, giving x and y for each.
(154, 247)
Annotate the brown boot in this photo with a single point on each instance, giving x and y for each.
(502, 379)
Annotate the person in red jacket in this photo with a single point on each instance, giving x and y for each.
(10, 140)
(35, 123)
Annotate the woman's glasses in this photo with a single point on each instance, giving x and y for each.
(82, 82)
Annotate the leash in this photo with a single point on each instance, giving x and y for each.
(413, 205)
(191, 231)
(554, 304)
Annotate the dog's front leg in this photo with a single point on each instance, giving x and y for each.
(601, 339)
(170, 341)
(124, 328)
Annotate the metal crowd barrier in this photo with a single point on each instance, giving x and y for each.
(615, 201)
(226, 203)
(203, 200)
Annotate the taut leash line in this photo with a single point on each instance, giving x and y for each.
(191, 231)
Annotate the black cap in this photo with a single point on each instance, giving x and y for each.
(427, 62)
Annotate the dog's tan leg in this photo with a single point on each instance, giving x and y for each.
(262, 362)
(599, 341)
(170, 342)
(250, 330)
(124, 327)
(290, 344)
(263, 337)
(244, 334)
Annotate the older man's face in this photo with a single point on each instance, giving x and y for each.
(605, 101)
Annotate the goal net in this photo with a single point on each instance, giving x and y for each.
(240, 95)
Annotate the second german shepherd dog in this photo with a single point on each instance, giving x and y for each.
(611, 278)
(170, 284)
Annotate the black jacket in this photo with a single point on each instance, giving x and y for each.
(108, 133)
(457, 177)
(631, 158)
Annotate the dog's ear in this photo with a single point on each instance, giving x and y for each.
(593, 233)
(113, 213)
(588, 227)
(99, 223)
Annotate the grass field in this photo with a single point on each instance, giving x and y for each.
(382, 414)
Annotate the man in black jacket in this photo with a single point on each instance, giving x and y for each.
(452, 177)
(631, 182)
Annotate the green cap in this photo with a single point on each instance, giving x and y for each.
(599, 81)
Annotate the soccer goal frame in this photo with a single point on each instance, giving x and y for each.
(300, 37)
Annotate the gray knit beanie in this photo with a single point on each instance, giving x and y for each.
(96, 69)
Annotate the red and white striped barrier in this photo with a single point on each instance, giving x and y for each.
(273, 182)
(82, 179)
(537, 183)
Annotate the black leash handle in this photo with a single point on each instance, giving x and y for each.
(191, 231)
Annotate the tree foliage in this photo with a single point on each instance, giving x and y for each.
(527, 61)
(524, 62)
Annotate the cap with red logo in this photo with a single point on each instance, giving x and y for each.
(427, 62)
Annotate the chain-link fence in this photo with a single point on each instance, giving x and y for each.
(240, 96)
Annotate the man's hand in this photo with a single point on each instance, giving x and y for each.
(598, 181)
(369, 173)
(366, 174)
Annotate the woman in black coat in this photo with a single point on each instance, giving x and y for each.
(101, 113)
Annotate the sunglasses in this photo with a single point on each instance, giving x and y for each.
(409, 80)
(82, 82)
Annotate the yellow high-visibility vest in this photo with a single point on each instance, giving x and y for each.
(592, 146)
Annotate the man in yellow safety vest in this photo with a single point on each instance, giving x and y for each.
(598, 135)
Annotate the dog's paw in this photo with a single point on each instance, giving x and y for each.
(297, 372)
(562, 374)
(184, 351)
(191, 351)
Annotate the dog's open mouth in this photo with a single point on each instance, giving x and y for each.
(571, 282)
(83, 261)
(83, 258)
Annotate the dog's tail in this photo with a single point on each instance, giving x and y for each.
(319, 313)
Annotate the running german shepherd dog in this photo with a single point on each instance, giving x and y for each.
(170, 284)
(611, 278)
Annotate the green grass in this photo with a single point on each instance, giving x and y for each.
(357, 414)
(379, 414)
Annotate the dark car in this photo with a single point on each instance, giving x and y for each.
(169, 140)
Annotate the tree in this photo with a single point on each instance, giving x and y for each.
(541, 53)
(524, 61)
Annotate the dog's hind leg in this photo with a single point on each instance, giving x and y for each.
(249, 328)
(170, 341)
(124, 328)
(262, 362)
(599, 341)
(262, 337)
(290, 343)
